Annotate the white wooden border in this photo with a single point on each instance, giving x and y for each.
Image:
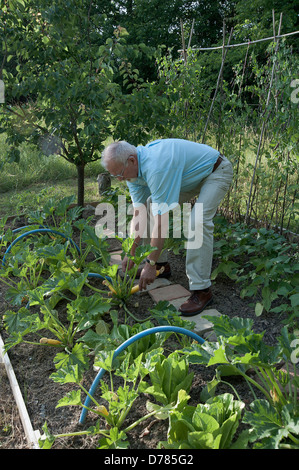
(31, 435)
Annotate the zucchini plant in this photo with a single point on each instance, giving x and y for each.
(122, 287)
(114, 405)
(82, 313)
(264, 263)
(241, 352)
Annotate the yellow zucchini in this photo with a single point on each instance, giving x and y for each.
(102, 409)
(51, 342)
(136, 288)
(106, 283)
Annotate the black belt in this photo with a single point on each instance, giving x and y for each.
(217, 163)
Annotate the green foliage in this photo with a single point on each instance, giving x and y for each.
(237, 351)
(209, 426)
(68, 89)
(43, 273)
(271, 429)
(51, 276)
(263, 262)
(170, 375)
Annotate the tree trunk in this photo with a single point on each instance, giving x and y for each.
(80, 194)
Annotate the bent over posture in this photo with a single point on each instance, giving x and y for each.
(160, 176)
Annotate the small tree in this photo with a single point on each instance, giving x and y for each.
(64, 89)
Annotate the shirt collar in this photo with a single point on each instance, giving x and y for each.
(139, 162)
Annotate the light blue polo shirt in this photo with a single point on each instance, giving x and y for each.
(168, 167)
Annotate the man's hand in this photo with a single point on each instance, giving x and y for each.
(126, 264)
(147, 276)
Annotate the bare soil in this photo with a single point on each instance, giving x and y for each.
(33, 365)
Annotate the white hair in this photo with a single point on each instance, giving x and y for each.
(118, 151)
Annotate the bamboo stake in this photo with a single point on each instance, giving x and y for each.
(244, 43)
(183, 39)
(274, 33)
(293, 204)
(183, 42)
(218, 140)
(217, 86)
(243, 71)
(263, 126)
(185, 62)
(284, 195)
(191, 33)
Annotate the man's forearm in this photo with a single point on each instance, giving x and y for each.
(138, 226)
(159, 234)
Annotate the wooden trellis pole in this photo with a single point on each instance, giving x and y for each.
(244, 43)
(217, 85)
(243, 71)
(184, 50)
(191, 33)
(247, 216)
(183, 42)
(186, 104)
(218, 137)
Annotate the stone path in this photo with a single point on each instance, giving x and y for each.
(175, 294)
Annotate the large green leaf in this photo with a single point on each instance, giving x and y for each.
(203, 440)
(73, 398)
(271, 426)
(22, 321)
(77, 357)
(226, 326)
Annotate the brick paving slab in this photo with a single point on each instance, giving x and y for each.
(209, 336)
(157, 284)
(115, 257)
(178, 302)
(202, 325)
(171, 292)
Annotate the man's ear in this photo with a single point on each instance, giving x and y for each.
(133, 159)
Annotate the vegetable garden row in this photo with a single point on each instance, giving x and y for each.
(65, 294)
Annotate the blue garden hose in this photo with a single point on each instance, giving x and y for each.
(47, 230)
(38, 230)
(19, 229)
(128, 342)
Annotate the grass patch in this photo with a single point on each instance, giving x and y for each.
(37, 177)
(35, 168)
(18, 201)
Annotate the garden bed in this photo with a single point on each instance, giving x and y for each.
(34, 364)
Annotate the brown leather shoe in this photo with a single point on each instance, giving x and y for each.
(196, 303)
(166, 273)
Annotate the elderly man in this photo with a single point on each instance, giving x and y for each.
(161, 175)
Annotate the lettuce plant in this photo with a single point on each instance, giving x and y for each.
(212, 425)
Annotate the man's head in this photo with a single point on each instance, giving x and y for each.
(120, 159)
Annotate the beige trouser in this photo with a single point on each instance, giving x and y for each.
(211, 192)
